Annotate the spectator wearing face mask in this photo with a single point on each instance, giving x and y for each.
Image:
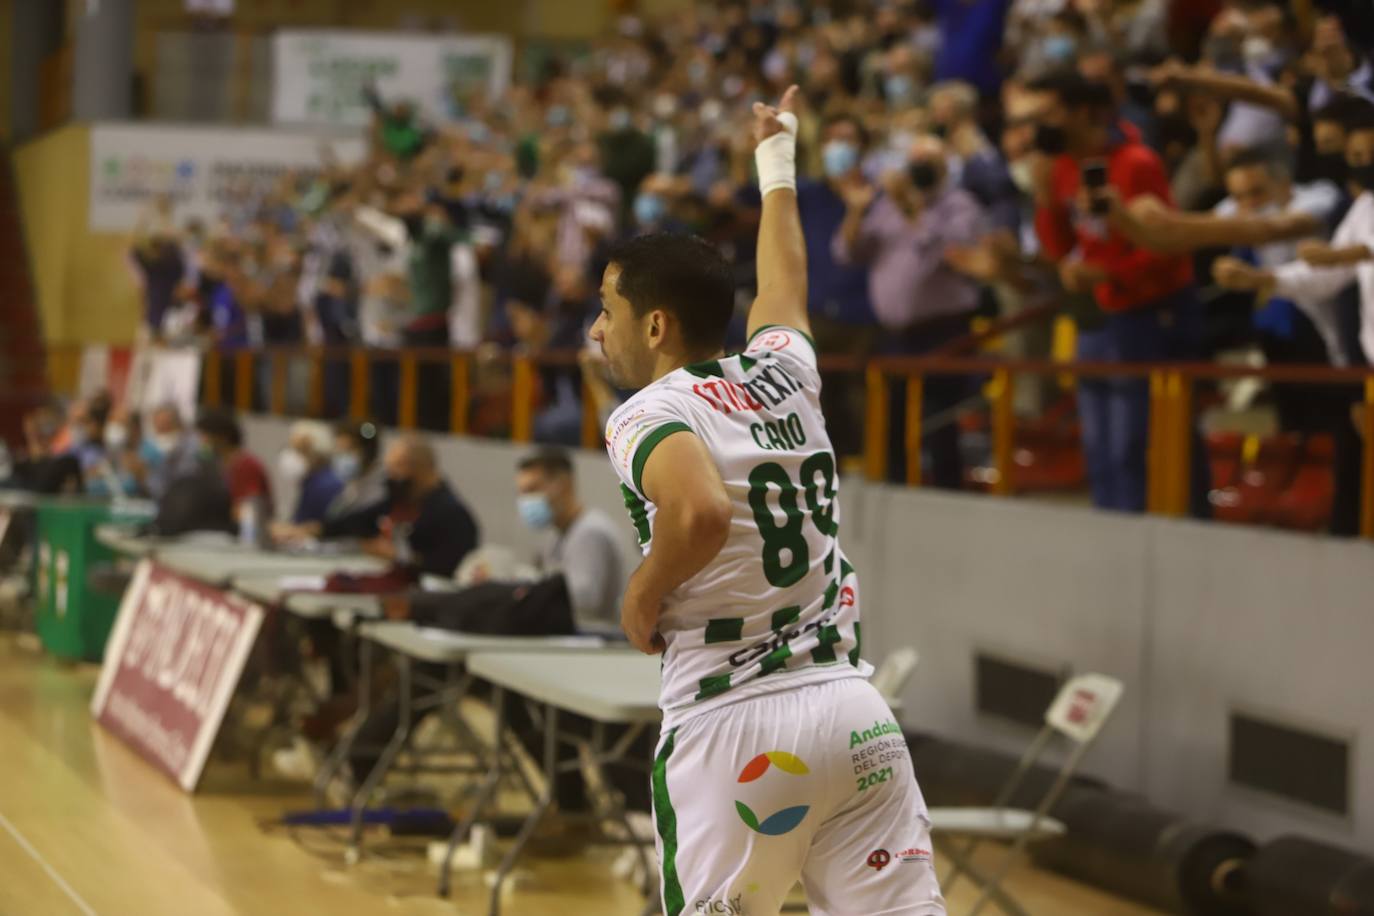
(250, 490)
(174, 452)
(1148, 309)
(420, 524)
(363, 479)
(578, 542)
(921, 301)
(305, 465)
(976, 165)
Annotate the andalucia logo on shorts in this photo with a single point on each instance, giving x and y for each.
(779, 822)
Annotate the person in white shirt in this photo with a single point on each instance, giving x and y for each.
(581, 543)
(1318, 273)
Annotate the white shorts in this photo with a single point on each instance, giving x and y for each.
(813, 784)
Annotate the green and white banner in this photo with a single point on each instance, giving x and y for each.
(319, 75)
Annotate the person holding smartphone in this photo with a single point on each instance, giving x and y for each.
(1146, 300)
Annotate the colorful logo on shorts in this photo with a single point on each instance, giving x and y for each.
(779, 822)
(879, 859)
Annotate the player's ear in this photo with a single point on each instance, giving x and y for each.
(656, 327)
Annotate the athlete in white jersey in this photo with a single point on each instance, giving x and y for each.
(777, 760)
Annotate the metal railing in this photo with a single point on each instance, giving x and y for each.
(1172, 388)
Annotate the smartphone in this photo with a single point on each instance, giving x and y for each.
(1094, 179)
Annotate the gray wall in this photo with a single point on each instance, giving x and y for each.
(1196, 619)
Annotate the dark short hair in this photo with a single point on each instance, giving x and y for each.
(1358, 115)
(550, 460)
(1075, 90)
(364, 435)
(1343, 107)
(1252, 156)
(685, 276)
(221, 423)
(844, 117)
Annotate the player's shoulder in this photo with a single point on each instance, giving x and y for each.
(778, 338)
(637, 426)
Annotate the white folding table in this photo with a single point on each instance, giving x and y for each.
(219, 565)
(447, 648)
(611, 687)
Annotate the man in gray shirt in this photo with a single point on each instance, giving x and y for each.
(581, 543)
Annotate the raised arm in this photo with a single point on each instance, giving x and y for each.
(1228, 86)
(782, 250)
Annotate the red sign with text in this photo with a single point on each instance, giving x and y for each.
(171, 666)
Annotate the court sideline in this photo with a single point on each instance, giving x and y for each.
(87, 828)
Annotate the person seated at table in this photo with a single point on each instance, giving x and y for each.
(578, 542)
(174, 450)
(306, 463)
(420, 524)
(42, 466)
(244, 474)
(356, 448)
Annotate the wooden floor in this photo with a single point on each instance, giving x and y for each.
(87, 828)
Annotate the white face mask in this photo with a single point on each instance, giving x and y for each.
(1021, 175)
(292, 466)
(166, 442)
(116, 436)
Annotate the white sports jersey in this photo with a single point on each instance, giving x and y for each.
(779, 605)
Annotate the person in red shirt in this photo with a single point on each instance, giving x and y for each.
(1092, 163)
(243, 472)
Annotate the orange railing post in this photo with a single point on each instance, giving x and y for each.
(314, 395)
(1367, 471)
(875, 425)
(522, 394)
(915, 406)
(277, 405)
(358, 393)
(243, 380)
(458, 400)
(1003, 431)
(1181, 451)
(211, 369)
(407, 409)
(591, 419)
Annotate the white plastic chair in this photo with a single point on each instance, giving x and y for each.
(1082, 707)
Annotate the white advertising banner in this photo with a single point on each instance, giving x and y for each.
(204, 169)
(319, 76)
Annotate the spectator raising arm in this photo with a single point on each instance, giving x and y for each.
(1229, 86)
(782, 249)
(1149, 223)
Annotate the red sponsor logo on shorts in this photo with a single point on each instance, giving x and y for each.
(879, 859)
(914, 854)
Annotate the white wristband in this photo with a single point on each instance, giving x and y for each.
(776, 158)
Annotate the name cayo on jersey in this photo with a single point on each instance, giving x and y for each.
(778, 607)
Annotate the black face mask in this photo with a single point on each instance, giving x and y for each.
(1175, 130)
(1330, 167)
(923, 175)
(1362, 175)
(398, 490)
(1051, 139)
(940, 130)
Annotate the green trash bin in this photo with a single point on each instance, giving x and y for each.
(72, 620)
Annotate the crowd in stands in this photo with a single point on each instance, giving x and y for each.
(1180, 178)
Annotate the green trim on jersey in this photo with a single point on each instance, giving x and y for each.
(712, 686)
(770, 327)
(724, 629)
(639, 513)
(829, 636)
(646, 447)
(709, 369)
(858, 641)
(674, 902)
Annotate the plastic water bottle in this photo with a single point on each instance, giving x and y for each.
(248, 524)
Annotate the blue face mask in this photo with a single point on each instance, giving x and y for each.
(558, 116)
(649, 209)
(346, 466)
(1060, 48)
(839, 157)
(535, 510)
(897, 87)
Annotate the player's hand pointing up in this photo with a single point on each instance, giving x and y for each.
(766, 122)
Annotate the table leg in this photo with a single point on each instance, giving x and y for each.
(339, 755)
(383, 764)
(546, 801)
(485, 794)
